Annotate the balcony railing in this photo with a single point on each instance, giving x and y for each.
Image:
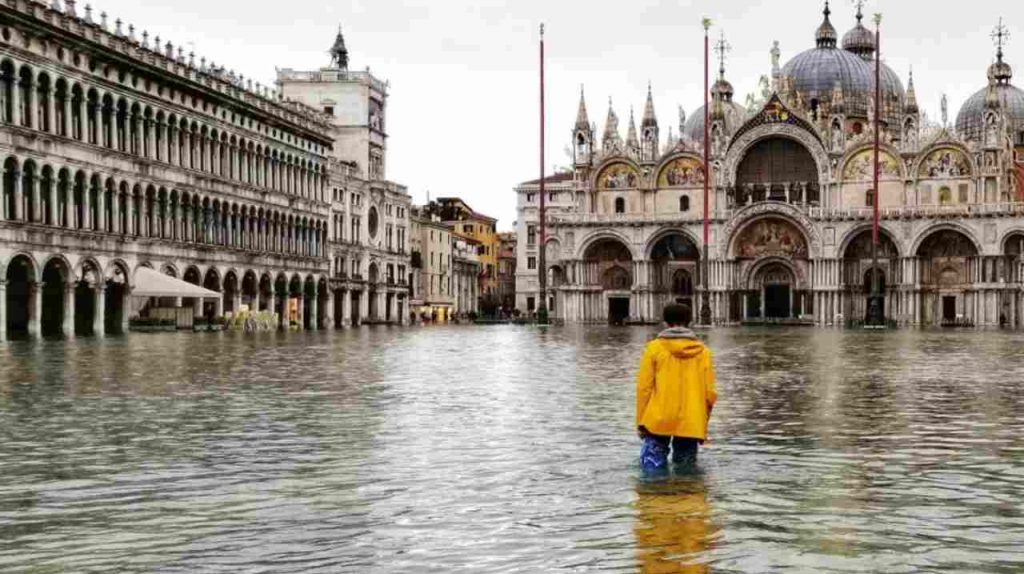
(906, 211)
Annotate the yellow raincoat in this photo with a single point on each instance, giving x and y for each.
(675, 388)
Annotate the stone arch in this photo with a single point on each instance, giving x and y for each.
(690, 171)
(751, 214)
(757, 271)
(855, 232)
(931, 230)
(853, 158)
(1016, 233)
(62, 260)
(21, 274)
(742, 145)
(602, 235)
(667, 232)
(928, 155)
(618, 173)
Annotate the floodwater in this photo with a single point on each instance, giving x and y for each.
(507, 449)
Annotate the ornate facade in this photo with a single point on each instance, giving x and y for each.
(791, 203)
(122, 152)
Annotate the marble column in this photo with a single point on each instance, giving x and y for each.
(314, 312)
(99, 320)
(68, 326)
(346, 309)
(3, 310)
(329, 311)
(302, 312)
(35, 310)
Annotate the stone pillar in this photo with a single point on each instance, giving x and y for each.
(218, 306)
(346, 308)
(302, 312)
(86, 222)
(314, 312)
(19, 194)
(99, 320)
(35, 309)
(329, 314)
(101, 210)
(197, 307)
(394, 310)
(3, 310)
(364, 306)
(37, 208)
(68, 326)
(236, 302)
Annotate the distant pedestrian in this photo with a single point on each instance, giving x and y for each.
(675, 393)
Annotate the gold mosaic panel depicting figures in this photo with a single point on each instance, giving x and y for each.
(771, 237)
(618, 176)
(861, 166)
(682, 172)
(945, 163)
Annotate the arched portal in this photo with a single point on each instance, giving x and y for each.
(1011, 312)
(231, 290)
(250, 291)
(948, 264)
(192, 276)
(56, 294)
(675, 268)
(777, 169)
(215, 308)
(774, 288)
(294, 301)
(608, 265)
(21, 294)
(85, 299)
(858, 274)
(116, 300)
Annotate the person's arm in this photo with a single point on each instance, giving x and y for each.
(644, 384)
(710, 390)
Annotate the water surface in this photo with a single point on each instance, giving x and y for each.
(507, 449)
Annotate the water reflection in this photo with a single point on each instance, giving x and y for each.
(673, 526)
(506, 448)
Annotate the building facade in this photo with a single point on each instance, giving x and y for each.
(482, 229)
(465, 275)
(791, 180)
(369, 215)
(507, 271)
(432, 268)
(122, 152)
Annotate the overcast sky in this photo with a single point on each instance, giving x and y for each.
(463, 112)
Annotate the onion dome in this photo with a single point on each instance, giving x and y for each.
(859, 39)
(1009, 100)
(815, 73)
(733, 113)
(826, 35)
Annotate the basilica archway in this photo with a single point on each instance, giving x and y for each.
(948, 262)
(608, 271)
(674, 269)
(772, 253)
(777, 169)
(858, 273)
(21, 294)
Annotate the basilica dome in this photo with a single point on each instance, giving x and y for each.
(815, 73)
(971, 119)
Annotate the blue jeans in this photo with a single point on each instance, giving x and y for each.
(654, 452)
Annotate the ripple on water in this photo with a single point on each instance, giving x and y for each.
(507, 450)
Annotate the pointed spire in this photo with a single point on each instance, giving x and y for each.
(339, 53)
(911, 98)
(611, 128)
(632, 141)
(826, 35)
(650, 119)
(582, 120)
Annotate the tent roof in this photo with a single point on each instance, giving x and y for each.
(150, 283)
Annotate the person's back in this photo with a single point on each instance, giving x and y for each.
(675, 392)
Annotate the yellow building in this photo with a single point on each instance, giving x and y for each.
(480, 228)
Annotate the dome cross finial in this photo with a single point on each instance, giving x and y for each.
(1000, 35)
(860, 9)
(723, 48)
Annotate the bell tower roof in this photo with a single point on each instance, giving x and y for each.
(339, 53)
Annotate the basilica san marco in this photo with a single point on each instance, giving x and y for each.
(791, 203)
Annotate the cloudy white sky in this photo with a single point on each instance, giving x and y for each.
(463, 106)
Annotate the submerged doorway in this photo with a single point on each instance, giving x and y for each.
(949, 308)
(777, 302)
(618, 310)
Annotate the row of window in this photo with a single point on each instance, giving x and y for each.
(68, 110)
(356, 264)
(213, 77)
(94, 203)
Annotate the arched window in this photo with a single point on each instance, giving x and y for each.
(684, 203)
(620, 205)
(869, 198)
(945, 196)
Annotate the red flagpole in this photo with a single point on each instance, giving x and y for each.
(705, 311)
(876, 315)
(542, 270)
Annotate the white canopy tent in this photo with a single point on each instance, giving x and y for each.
(150, 283)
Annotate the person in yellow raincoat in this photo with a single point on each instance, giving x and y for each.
(675, 393)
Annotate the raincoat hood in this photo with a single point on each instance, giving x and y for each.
(681, 342)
